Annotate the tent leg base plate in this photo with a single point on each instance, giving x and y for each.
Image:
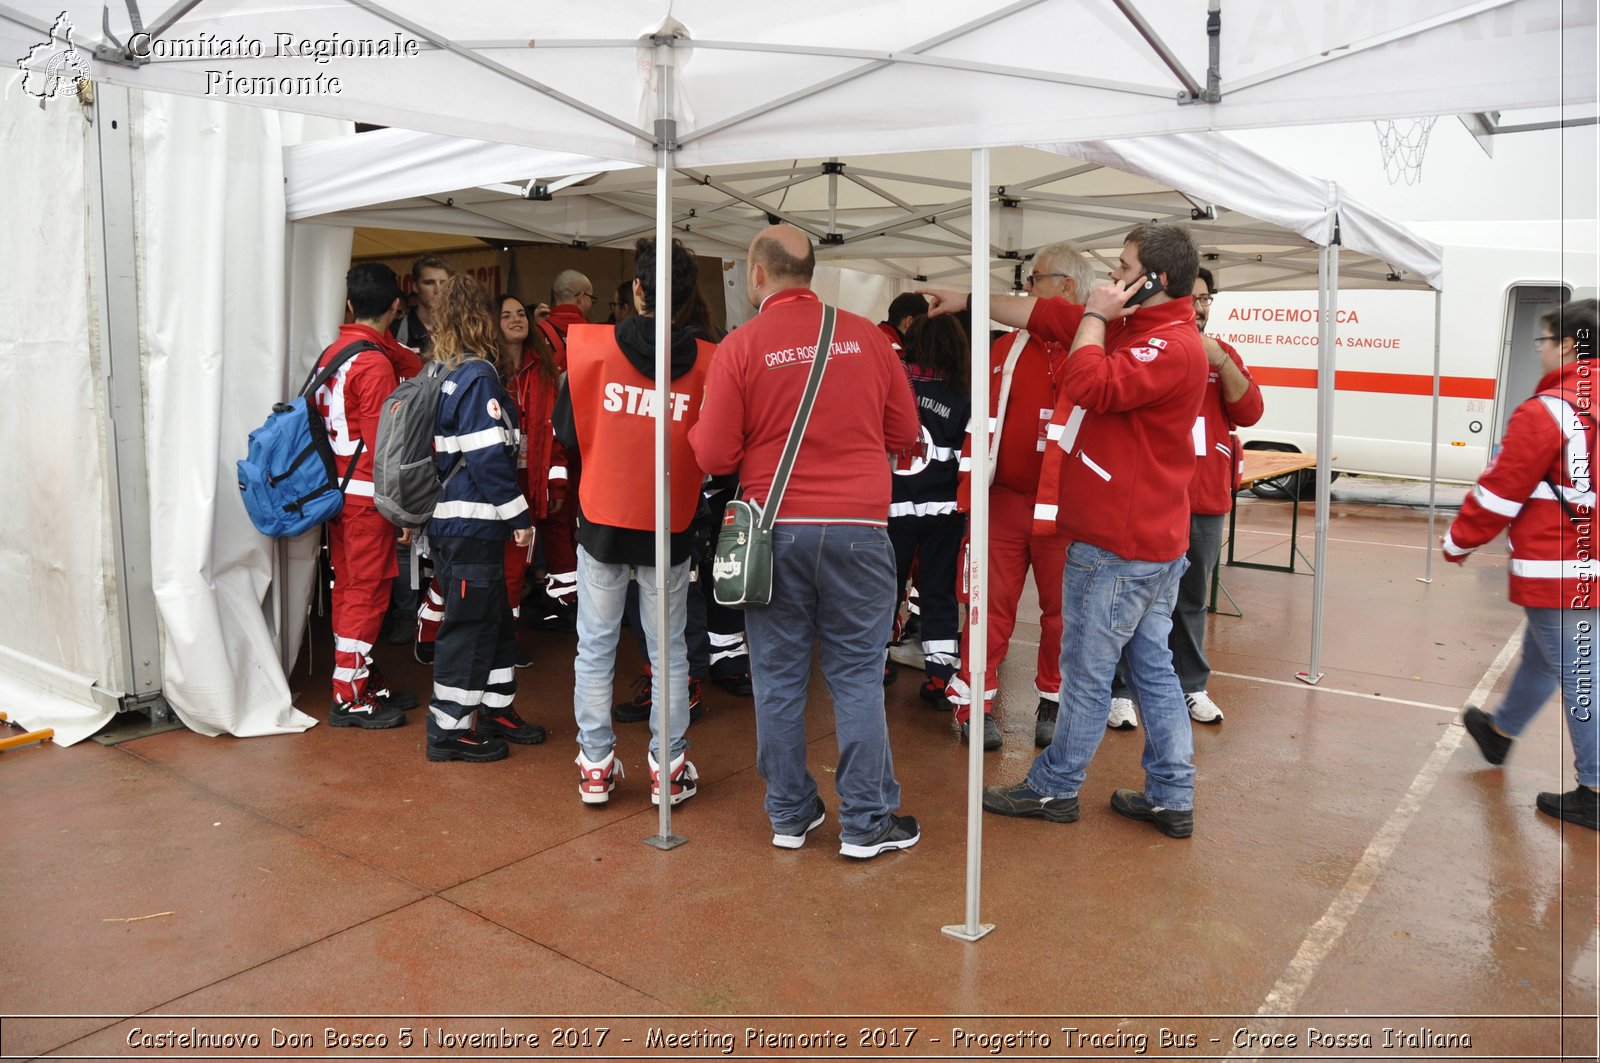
(127, 726)
(1308, 678)
(961, 930)
(665, 842)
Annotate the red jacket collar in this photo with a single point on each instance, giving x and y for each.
(789, 295)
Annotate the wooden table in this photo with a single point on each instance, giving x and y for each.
(1262, 465)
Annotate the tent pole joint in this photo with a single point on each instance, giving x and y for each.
(667, 135)
(833, 167)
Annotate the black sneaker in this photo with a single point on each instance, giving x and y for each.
(991, 733)
(508, 725)
(1020, 799)
(934, 691)
(391, 698)
(794, 835)
(524, 657)
(737, 685)
(552, 614)
(637, 708)
(1491, 743)
(369, 714)
(1044, 724)
(1169, 821)
(423, 652)
(890, 670)
(476, 749)
(1580, 806)
(901, 832)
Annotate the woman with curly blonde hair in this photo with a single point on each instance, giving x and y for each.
(480, 506)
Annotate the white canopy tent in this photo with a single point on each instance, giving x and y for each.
(695, 84)
(906, 215)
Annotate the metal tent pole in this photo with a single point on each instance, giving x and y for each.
(666, 149)
(1433, 451)
(978, 562)
(1328, 304)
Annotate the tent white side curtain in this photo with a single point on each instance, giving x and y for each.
(213, 284)
(57, 591)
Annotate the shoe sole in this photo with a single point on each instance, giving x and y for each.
(366, 725)
(1044, 812)
(1149, 817)
(795, 841)
(442, 756)
(1122, 727)
(867, 852)
(1208, 720)
(677, 799)
(594, 799)
(508, 737)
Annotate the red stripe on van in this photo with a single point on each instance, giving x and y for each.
(1450, 387)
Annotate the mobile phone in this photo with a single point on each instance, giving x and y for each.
(1151, 285)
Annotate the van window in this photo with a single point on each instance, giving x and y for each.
(1519, 361)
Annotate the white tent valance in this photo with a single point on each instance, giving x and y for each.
(907, 214)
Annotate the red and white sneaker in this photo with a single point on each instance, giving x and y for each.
(597, 778)
(683, 778)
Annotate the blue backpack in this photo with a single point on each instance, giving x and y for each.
(288, 478)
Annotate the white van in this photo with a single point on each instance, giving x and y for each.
(1382, 412)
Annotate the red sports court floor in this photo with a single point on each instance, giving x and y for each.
(1355, 866)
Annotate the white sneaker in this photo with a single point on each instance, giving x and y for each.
(597, 778)
(1202, 709)
(681, 775)
(909, 654)
(1122, 717)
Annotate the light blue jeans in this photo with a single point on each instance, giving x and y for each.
(1111, 607)
(1558, 650)
(832, 584)
(602, 592)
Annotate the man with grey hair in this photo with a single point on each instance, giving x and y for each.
(1021, 398)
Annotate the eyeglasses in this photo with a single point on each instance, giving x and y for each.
(1203, 299)
(1035, 278)
(586, 295)
(1547, 339)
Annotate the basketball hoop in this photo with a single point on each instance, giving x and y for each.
(1402, 144)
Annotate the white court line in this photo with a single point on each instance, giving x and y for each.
(1298, 685)
(1313, 535)
(1327, 931)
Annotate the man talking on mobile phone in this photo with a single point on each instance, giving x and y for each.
(1115, 481)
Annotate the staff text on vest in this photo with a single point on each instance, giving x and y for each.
(627, 398)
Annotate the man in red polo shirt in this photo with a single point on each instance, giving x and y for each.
(1115, 481)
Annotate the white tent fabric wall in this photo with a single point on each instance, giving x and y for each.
(212, 275)
(212, 288)
(57, 591)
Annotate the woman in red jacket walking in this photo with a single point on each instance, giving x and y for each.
(1540, 483)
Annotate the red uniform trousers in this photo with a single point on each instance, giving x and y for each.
(361, 549)
(558, 539)
(1013, 548)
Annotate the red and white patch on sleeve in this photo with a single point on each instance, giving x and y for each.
(1144, 354)
(494, 408)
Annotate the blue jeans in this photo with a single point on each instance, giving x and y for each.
(1111, 607)
(833, 584)
(1558, 650)
(602, 591)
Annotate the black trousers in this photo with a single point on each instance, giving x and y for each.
(474, 663)
(935, 544)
